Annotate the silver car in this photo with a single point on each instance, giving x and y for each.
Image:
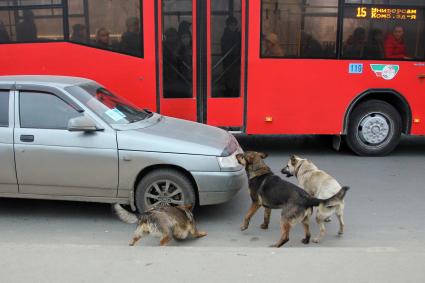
(69, 138)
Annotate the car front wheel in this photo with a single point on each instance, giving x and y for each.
(164, 187)
(374, 128)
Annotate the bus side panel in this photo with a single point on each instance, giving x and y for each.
(311, 96)
(130, 77)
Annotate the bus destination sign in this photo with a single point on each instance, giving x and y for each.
(384, 13)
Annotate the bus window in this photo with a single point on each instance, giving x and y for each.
(226, 48)
(31, 25)
(177, 56)
(383, 32)
(110, 25)
(299, 29)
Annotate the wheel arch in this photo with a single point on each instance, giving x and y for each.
(391, 96)
(152, 168)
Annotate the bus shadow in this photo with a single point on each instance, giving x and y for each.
(319, 144)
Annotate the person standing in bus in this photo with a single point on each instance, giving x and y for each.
(394, 44)
(185, 56)
(102, 38)
(26, 30)
(4, 35)
(374, 48)
(79, 34)
(131, 39)
(272, 46)
(355, 44)
(231, 52)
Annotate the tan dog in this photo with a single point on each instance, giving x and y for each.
(321, 185)
(165, 222)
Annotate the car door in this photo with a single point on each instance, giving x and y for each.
(8, 183)
(50, 160)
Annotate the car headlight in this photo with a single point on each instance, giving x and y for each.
(230, 162)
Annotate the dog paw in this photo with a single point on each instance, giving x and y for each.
(316, 240)
(274, 246)
(305, 241)
(340, 233)
(201, 234)
(244, 227)
(264, 226)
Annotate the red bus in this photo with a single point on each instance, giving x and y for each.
(348, 68)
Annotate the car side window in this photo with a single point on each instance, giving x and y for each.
(4, 109)
(43, 110)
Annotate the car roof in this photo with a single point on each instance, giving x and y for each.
(62, 81)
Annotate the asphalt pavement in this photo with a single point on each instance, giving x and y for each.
(55, 241)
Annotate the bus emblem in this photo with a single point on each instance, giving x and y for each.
(387, 72)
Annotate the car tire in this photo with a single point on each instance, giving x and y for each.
(374, 128)
(152, 190)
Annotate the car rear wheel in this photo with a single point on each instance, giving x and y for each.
(164, 187)
(374, 128)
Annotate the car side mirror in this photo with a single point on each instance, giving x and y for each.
(82, 124)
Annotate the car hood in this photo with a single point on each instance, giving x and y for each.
(175, 136)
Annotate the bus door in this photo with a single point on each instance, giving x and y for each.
(200, 60)
(225, 63)
(177, 41)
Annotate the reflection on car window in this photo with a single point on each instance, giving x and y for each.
(44, 111)
(111, 108)
(4, 108)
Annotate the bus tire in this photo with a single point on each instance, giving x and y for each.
(374, 128)
(152, 190)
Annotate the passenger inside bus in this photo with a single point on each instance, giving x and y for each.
(374, 48)
(310, 47)
(131, 38)
(185, 55)
(177, 83)
(26, 30)
(79, 34)
(272, 46)
(4, 35)
(394, 45)
(102, 38)
(185, 28)
(355, 44)
(231, 52)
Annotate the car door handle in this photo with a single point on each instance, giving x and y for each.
(27, 138)
(421, 76)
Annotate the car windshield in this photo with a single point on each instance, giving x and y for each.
(111, 108)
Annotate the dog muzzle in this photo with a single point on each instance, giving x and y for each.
(286, 172)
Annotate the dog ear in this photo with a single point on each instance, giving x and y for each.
(293, 160)
(241, 158)
(263, 155)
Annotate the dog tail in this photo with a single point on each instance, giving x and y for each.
(125, 215)
(331, 201)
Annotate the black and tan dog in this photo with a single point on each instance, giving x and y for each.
(270, 191)
(165, 222)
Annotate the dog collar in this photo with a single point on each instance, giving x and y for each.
(298, 169)
(258, 173)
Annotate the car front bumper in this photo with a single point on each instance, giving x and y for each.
(219, 187)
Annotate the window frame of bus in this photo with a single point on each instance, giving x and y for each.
(421, 8)
(65, 25)
(23, 7)
(338, 33)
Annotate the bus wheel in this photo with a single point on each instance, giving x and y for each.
(374, 128)
(164, 187)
